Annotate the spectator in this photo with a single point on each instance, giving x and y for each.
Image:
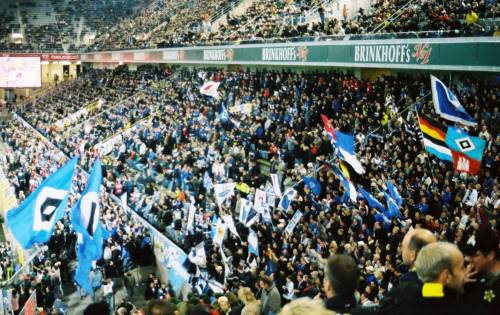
(484, 256)
(411, 245)
(340, 282)
(251, 304)
(440, 267)
(270, 300)
(305, 306)
(159, 307)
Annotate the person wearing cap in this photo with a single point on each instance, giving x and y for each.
(484, 256)
(440, 268)
(412, 243)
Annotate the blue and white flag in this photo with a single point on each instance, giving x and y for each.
(85, 218)
(386, 223)
(345, 145)
(372, 201)
(34, 219)
(223, 192)
(348, 185)
(392, 207)
(198, 255)
(245, 207)
(253, 243)
(287, 199)
(191, 214)
(228, 219)
(207, 181)
(220, 232)
(313, 184)
(224, 115)
(394, 193)
(252, 217)
(177, 273)
(293, 222)
(459, 140)
(215, 222)
(447, 105)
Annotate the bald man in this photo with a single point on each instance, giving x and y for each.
(412, 243)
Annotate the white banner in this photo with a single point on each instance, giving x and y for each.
(223, 192)
(291, 225)
(276, 185)
(260, 202)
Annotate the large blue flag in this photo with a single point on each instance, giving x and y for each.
(34, 219)
(372, 201)
(392, 207)
(394, 193)
(313, 184)
(85, 220)
(447, 105)
(460, 141)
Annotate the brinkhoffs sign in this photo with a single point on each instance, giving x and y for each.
(447, 54)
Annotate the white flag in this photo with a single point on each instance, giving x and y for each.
(223, 192)
(210, 89)
(260, 201)
(123, 199)
(276, 185)
(253, 243)
(198, 255)
(190, 222)
(291, 225)
(228, 219)
(220, 232)
(245, 207)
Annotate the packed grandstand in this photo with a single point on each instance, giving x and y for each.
(250, 157)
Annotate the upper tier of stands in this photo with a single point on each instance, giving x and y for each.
(56, 25)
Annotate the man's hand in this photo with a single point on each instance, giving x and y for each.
(470, 273)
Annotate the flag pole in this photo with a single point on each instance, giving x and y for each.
(427, 158)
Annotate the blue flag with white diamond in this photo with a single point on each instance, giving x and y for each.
(460, 141)
(34, 219)
(313, 185)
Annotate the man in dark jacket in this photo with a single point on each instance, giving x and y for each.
(412, 243)
(340, 282)
(440, 267)
(484, 255)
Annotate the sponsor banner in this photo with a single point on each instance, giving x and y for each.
(44, 57)
(456, 53)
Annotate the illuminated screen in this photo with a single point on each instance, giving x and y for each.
(20, 72)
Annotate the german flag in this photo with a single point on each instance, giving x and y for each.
(352, 175)
(434, 134)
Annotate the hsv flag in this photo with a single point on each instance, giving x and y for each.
(34, 219)
(351, 174)
(447, 105)
(210, 89)
(85, 218)
(372, 201)
(460, 141)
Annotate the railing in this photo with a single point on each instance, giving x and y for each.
(224, 10)
(393, 17)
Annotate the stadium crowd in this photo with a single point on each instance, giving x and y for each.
(266, 19)
(129, 246)
(164, 160)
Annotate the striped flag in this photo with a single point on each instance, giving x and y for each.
(434, 134)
